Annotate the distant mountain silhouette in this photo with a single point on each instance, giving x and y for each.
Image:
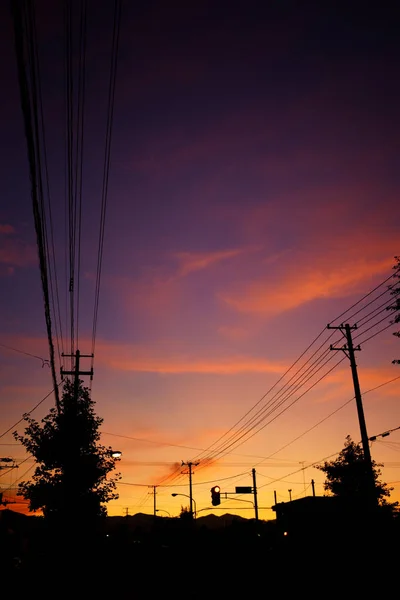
(146, 522)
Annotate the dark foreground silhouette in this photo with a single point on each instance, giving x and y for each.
(190, 560)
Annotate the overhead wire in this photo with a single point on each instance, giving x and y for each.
(273, 480)
(234, 440)
(45, 361)
(313, 464)
(382, 283)
(326, 418)
(51, 253)
(273, 404)
(247, 433)
(198, 457)
(106, 167)
(381, 308)
(69, 134)
(12, 468)
(262, 410)
(28, 413)
(79, 153)
(237, 438)
(177, 475)
(28, 98)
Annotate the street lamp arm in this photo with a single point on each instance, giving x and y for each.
(186, 496)
(162, 510)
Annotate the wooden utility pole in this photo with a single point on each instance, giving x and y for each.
(154, 499)
(190, 465)
(349, 349)
(253, 471)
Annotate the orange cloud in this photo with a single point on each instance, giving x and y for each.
(128, 358)
(162, 358)
(191, 261)
(160, 290)
(307, 283)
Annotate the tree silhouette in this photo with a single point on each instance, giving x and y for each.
(395, 292)
(70, 483)
(185, 513)
(346, 477)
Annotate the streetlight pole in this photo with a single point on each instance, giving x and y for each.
(192, 500)
(290, 495)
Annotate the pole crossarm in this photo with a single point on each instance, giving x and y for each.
(76, 372)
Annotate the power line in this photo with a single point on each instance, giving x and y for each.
(45, 361)
(239, 441)
(52, 254)
(256, 425)
(262, 398)
(25, 53)
(361, 300)
(106, 168)
(22, 461)
(243, 432)
(27, 413)
(79, 148)
(272, 401)
(328, 417)
(144, 440)
(69, 161)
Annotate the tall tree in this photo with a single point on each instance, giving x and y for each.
(346, 477)
(70, 483)
(395, 291)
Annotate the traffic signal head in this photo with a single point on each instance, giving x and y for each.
(216, 495)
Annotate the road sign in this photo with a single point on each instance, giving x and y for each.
(244, 490)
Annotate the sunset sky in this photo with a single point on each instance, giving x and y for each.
(252, 199)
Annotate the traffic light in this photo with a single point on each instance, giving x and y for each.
(216, 495)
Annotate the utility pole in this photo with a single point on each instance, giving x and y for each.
(253, 471)
(313, 486)
(290, 495)
(190, 465)
(74, 451)
(76, 372)
(302, 462)
(349, 351)
(154, 499)
(275, 499)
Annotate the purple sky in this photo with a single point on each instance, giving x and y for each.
(253, 193)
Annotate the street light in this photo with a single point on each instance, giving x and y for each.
(162, 510)
(116, 453)
(186, 496)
